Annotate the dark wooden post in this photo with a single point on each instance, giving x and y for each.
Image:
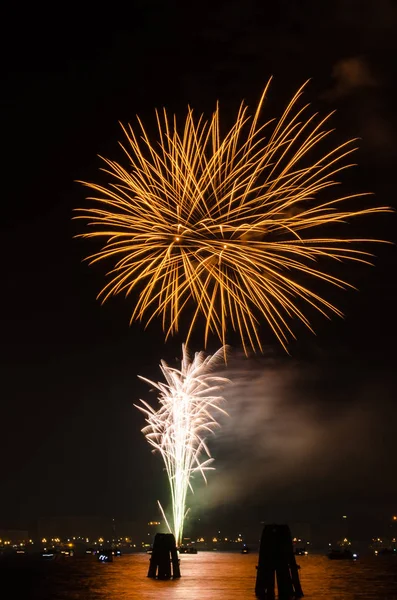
(277, 560)
(176, 572)
(164, 555)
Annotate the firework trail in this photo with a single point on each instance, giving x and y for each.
(228, 227)
(178, 429)
(232, 228)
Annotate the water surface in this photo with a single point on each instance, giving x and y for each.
(205, 576)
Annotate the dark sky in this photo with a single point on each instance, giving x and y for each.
(70, 438)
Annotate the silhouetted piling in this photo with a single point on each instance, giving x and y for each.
(164, 555)
(277, 561)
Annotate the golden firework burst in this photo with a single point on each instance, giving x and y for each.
(226, 224)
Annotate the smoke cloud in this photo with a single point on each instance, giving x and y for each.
(298, 431)
(366, 95)
(350, 74)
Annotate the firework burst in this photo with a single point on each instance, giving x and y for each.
(178, 429)
(229, 224)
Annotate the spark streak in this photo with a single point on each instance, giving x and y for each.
(178, 429)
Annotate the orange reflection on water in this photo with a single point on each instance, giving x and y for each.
(205, 576)
(230, 576)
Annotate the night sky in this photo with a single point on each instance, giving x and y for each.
(70, 438)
